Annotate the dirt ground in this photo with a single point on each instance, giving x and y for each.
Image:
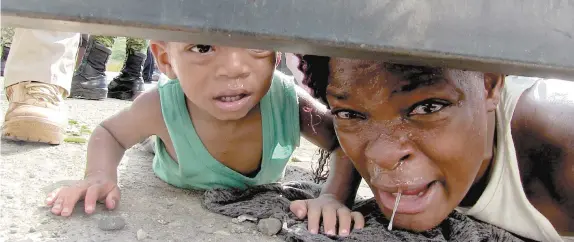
(158, 211)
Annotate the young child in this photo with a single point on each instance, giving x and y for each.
(496, 148)
(226, 119)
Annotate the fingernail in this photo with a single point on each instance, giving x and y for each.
(330, 232)
(113, 203)
(313, 231)
(90, 208)
(299, 213)
(344, 232)
(65, 211)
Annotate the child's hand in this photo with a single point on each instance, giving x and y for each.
(64, 199)
(331, 209)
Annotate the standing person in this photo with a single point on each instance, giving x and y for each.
(7, 36)
(89, 81)
(149, 67)
(36, 110)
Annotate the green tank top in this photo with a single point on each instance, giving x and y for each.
(197, 169)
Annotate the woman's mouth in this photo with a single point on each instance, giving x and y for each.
(414, 198)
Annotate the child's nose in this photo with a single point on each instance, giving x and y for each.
(234, 64)
(388, 151)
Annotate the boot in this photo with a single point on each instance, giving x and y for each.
(129, 84)
(5, 52)
(36, 113)
(89, 81)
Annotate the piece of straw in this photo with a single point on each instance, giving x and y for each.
(394, 210)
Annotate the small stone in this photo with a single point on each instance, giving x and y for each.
(9, 196)
(243, 218)
(141, 234)
(31, 175)
(31, 230)
(111, 223)
(13, 231)
(269, 226)
(222, 232)
(163, 222)
(54, 235)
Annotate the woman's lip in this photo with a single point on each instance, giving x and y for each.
(410, 204)
(406, 188)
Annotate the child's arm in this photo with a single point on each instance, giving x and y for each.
(316, 121)
(106, 147)
(341, 186)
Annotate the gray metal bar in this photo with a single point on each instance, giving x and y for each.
(523, 37)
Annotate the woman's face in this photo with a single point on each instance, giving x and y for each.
(415, 130)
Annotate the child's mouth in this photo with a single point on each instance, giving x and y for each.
(414, 199)
(231, 103)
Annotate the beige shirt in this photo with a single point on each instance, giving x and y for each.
(504, 202)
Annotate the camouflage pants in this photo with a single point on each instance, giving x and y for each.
(132, 45)
(7, 36)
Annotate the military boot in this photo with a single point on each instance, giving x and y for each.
(129, 84)
(89, 81)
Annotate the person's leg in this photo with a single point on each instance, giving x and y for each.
(84, 38)
(149, 65)
(129, 84)
(38, 74)
(6, 39)
(89, 81)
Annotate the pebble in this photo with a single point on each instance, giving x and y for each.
(31, 175)
(9, 196)
(141, 234)
(163, 222)
(13, 231)
(269, 226)
(111, 223)
(243, 218)
(31, 230)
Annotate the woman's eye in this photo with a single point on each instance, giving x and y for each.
(427, 108)
(202, 49)
(347, 115)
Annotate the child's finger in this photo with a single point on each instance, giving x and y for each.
(313, 216)
(57, 206)
(358, 219)
(92, 195)
(70, 199)
(52, 197)
(112, 198)
(344, 216)
(329, 220)
(299, 208)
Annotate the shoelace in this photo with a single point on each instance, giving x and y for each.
(44, 92)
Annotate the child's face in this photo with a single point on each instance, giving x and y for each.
(421, 130)
(225, 82)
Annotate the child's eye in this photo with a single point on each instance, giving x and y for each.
(428, 107)
(346, 114)
(202, 49)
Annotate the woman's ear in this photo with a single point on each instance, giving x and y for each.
(160, 50)
(493, 84)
